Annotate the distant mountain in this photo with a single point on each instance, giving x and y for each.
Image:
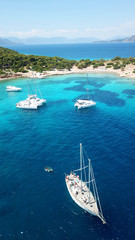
(122, 40)
(129, 39)
(16, 40)
(37, 40)
(6, 42)
(59, 40)
(52, 40)
(83, 40)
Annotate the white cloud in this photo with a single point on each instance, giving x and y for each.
(125, 29)
(27, 34)
(43, 33)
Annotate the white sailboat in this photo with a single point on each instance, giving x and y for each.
(85, 103)
(29, 103)
(10, 88)
(32, 102)
(84, 192)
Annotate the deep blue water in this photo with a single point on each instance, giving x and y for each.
(35, 204)
(79, 51)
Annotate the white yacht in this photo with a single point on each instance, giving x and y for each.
(34, 98)
(32, 102)
(85, 103)
(13, 89)
(84, 192)
(29, 103)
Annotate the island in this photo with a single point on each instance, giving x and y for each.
(16, 65)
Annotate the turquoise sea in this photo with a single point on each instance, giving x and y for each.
(35, 204)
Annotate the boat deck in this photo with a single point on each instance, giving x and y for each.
(83, 198)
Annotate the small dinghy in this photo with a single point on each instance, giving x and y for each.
(48, 169)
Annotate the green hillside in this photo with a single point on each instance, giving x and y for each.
(14, 62)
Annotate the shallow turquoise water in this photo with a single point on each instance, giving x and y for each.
(35, 204)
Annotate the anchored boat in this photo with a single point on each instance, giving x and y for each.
(84, 192)
(32, 102)
(48, 169)
(85, 103)
(13, 89)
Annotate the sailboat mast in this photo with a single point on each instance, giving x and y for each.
(89, 180)
(87, 88)
(28, 87)
(97, 198)
(39, 90)
(35, 88)
(81, 163)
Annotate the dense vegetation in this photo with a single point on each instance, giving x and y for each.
(14, 62)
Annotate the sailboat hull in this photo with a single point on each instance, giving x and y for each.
(84, 193)
(27, 107)
(84, 104)
(13, 89)
(90, 208)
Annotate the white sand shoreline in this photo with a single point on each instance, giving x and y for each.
(127, 72)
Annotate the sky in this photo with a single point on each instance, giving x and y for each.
(101, 19)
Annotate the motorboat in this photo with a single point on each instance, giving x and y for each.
(13, 89)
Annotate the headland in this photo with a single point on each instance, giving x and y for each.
(16, 65)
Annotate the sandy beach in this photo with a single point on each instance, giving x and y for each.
(126, 72)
